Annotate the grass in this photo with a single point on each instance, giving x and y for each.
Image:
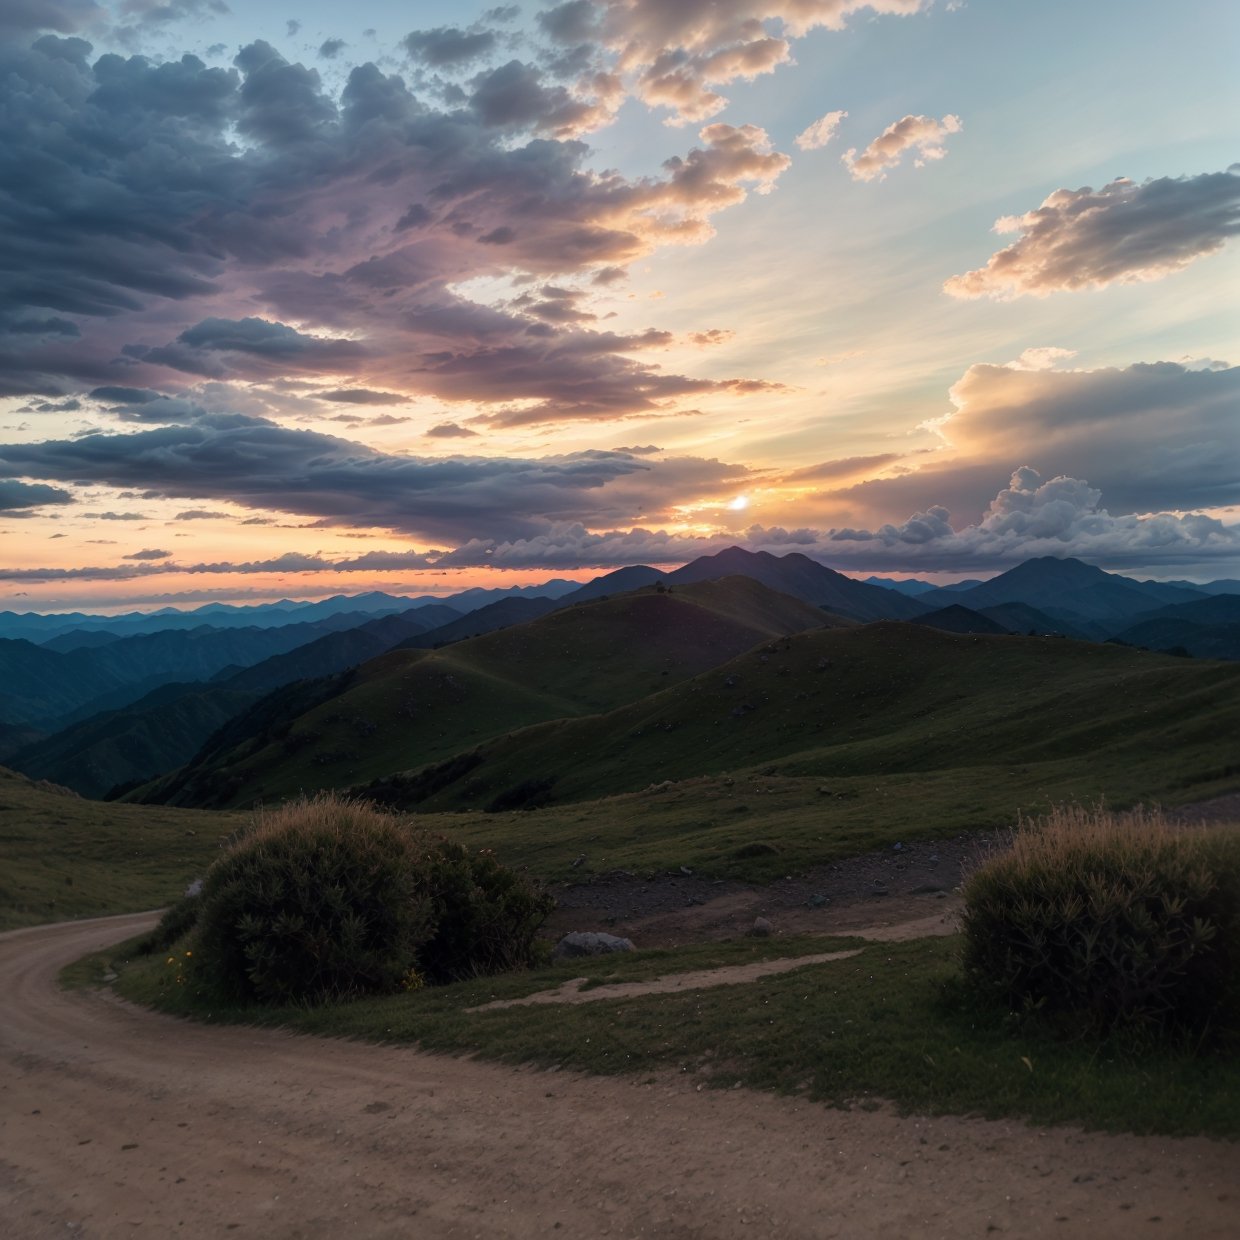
(66, 857)
(846, 1033)
(891, 698)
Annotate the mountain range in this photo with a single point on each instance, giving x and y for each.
(99, 708)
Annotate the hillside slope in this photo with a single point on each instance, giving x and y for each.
(67, 857)
(410, 707)
(890, 698)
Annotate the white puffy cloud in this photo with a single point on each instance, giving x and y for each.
(1060, 516)
(814, 137)
(1120, 234)
(922, 134)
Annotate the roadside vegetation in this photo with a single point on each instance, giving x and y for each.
(919, 1023)
(1097, 923)
(330, 898)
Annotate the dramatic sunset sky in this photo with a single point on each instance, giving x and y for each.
(315, 298)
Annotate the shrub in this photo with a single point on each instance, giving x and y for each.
(486, 915)
(1100, 920)
(322, 899)
(331, 898)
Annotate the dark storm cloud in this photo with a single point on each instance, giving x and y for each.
(447, 46)
(257, 464)
(329, 49)
(139, 222)
(16, 495)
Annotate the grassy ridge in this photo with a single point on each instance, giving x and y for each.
(65, 857)
(408, 708)
(891, 698)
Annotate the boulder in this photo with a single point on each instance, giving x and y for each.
(761, 928)
(586, 943)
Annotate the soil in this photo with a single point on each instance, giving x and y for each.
(120, 1122)
(909, 882)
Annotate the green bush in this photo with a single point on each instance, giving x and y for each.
(1101, 921)
(332, 898)
(486, 915)
(324, 899)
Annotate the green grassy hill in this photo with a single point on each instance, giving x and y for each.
(63, 856)
(889, 699)
(409, 708)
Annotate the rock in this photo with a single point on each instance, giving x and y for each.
(876, 891)
(761, 928)
(580, 861)
(897, 848)
(684, 869)
(928, 889)
(817, 900)
(589, 943)
(194, 889)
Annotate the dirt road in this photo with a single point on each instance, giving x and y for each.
(118, 1122)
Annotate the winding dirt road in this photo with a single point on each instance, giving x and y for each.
(117, 1122)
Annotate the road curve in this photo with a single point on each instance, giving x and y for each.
(119, 1122)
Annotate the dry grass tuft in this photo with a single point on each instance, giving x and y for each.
(1102, 920)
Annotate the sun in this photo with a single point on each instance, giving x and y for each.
(739, 504)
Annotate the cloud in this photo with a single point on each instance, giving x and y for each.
(448, 46)
(337, 236)
(329, 49)
(201, 514)
(1031, 517)
(152, 553)
(817, 135)
(848, 467)
(1121, 234)
(15, 496)
(161, 12)
(17, 16)
(922, 134)
(450, 430)
(676, 54)
(259, 465)
(360, 396)
(1150, 436)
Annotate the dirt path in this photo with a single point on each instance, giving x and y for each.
(117, 1122)
(726, 975)
(892, 886)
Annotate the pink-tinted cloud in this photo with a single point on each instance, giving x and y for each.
(674, 55)
(1123, 233)
(922, 135)
(814, 137)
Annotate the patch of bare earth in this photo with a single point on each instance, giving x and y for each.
(910, 883)
(119, 1122)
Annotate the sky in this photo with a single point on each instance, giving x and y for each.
(310, 299)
